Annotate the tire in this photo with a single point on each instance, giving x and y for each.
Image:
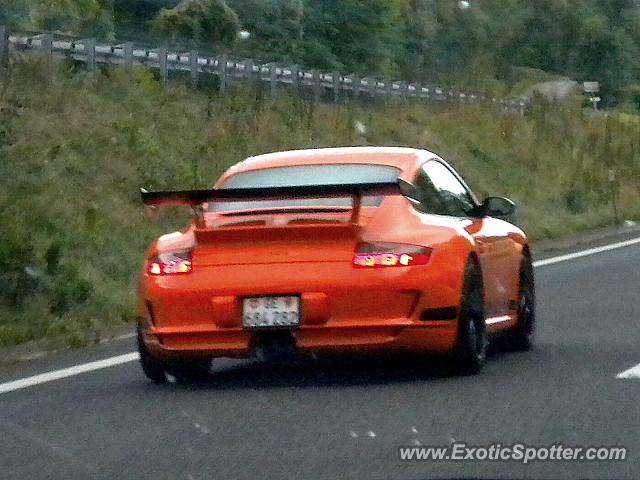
(472, 343)
(522, 337)
(154, 369)
(184, 371)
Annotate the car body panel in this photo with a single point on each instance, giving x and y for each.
(342, 308)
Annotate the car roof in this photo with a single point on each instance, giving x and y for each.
(406, 159)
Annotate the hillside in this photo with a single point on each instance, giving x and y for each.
(479, 44)
(75, 148)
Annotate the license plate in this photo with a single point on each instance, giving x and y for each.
(268, 312)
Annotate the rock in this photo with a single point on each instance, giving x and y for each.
(555, 90)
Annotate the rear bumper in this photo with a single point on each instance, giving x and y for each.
(342, 310)
(432, 337)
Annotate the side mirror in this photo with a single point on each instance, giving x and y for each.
(498, 207)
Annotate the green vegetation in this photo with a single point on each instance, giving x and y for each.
(436, 41)
(75, 147)
(199, 21)
(82, 17)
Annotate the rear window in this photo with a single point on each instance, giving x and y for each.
(306, 175)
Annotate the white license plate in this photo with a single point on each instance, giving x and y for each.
(267, 312)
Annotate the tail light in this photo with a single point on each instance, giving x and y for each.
(173, 263)
(385, 255)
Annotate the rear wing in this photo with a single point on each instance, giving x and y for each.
(195, 198)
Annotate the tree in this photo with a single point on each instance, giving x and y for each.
(461, 42)
(276, 27)
(13, 13)
(132, 17)
(583, 39)
(199, 21)
(74, 17)
(418, 39)
(363, 36)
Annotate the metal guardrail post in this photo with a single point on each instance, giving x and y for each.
(335, 76)
(248, 69)
(193, 68)
(295, 78)
(127, 50)
(388, 88)
(404, 91)
(449, 95)
(90, 52)
(373, 87)
(46, 41)
(317, 84)
(4, 46)
(417, 91)
(222, 71)
(273, 78)
(163, 65)
(356, 82)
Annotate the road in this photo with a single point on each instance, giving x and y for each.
(347, 418)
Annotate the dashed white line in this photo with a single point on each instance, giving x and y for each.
(586, 253)
(494, 320)
(133, 356)
(633, 372)
(67, 372)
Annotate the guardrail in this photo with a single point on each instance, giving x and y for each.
(333, 85)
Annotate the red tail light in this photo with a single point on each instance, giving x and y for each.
(174, 263)
(385, 255)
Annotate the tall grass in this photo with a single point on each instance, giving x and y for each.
(75, 147)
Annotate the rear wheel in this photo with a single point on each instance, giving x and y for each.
(184, 371)
(521, 339)
(471, 349)
(153, 368)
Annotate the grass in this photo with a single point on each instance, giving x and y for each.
(75, 147)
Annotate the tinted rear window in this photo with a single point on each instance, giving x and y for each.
(313, 175)
(305, 175)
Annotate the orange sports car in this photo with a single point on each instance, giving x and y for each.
(334, 250)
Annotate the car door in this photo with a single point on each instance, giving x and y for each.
(451, 197)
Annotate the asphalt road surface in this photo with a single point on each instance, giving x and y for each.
(347, 418)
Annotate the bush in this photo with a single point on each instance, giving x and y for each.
(68, 289)
(73, 17)
(16, 255)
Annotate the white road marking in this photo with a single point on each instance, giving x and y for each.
(133, 356)
(494, 320)
(67, 372)
(633, 372)
(586, 253)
